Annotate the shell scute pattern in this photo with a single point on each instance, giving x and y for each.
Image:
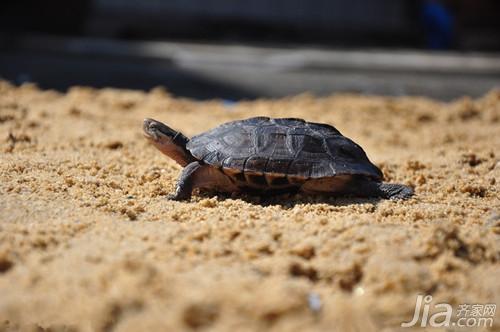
(265, 148)
(255, 164)
(323, 127)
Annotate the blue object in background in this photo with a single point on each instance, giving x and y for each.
(228, 103)
(438, 25)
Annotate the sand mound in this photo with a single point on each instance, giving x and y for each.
(88, 241)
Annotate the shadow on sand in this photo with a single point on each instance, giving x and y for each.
(290, 200)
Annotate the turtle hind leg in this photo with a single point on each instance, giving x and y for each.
(363, 187)
(395, 191)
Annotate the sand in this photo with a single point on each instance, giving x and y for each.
(88, 241)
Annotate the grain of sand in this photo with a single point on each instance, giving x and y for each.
(88, 241)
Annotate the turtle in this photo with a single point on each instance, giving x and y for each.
(268, 156)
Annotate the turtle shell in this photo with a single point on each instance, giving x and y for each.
(282, 147)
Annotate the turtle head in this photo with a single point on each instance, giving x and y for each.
(170, 142)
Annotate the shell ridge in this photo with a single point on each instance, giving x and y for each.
(290, 147)
(245, 164)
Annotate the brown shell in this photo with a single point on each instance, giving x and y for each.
(277, 148)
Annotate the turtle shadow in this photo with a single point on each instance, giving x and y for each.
(289, 201)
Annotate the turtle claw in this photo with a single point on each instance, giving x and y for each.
(178, 197)
(172, 197)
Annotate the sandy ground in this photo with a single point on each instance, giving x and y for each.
(88, 241)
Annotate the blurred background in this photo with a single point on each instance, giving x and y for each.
(235, 49)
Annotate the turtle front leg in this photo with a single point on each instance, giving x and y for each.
(185, 184)
(198, 175)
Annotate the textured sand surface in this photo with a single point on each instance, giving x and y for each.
(88, 241)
